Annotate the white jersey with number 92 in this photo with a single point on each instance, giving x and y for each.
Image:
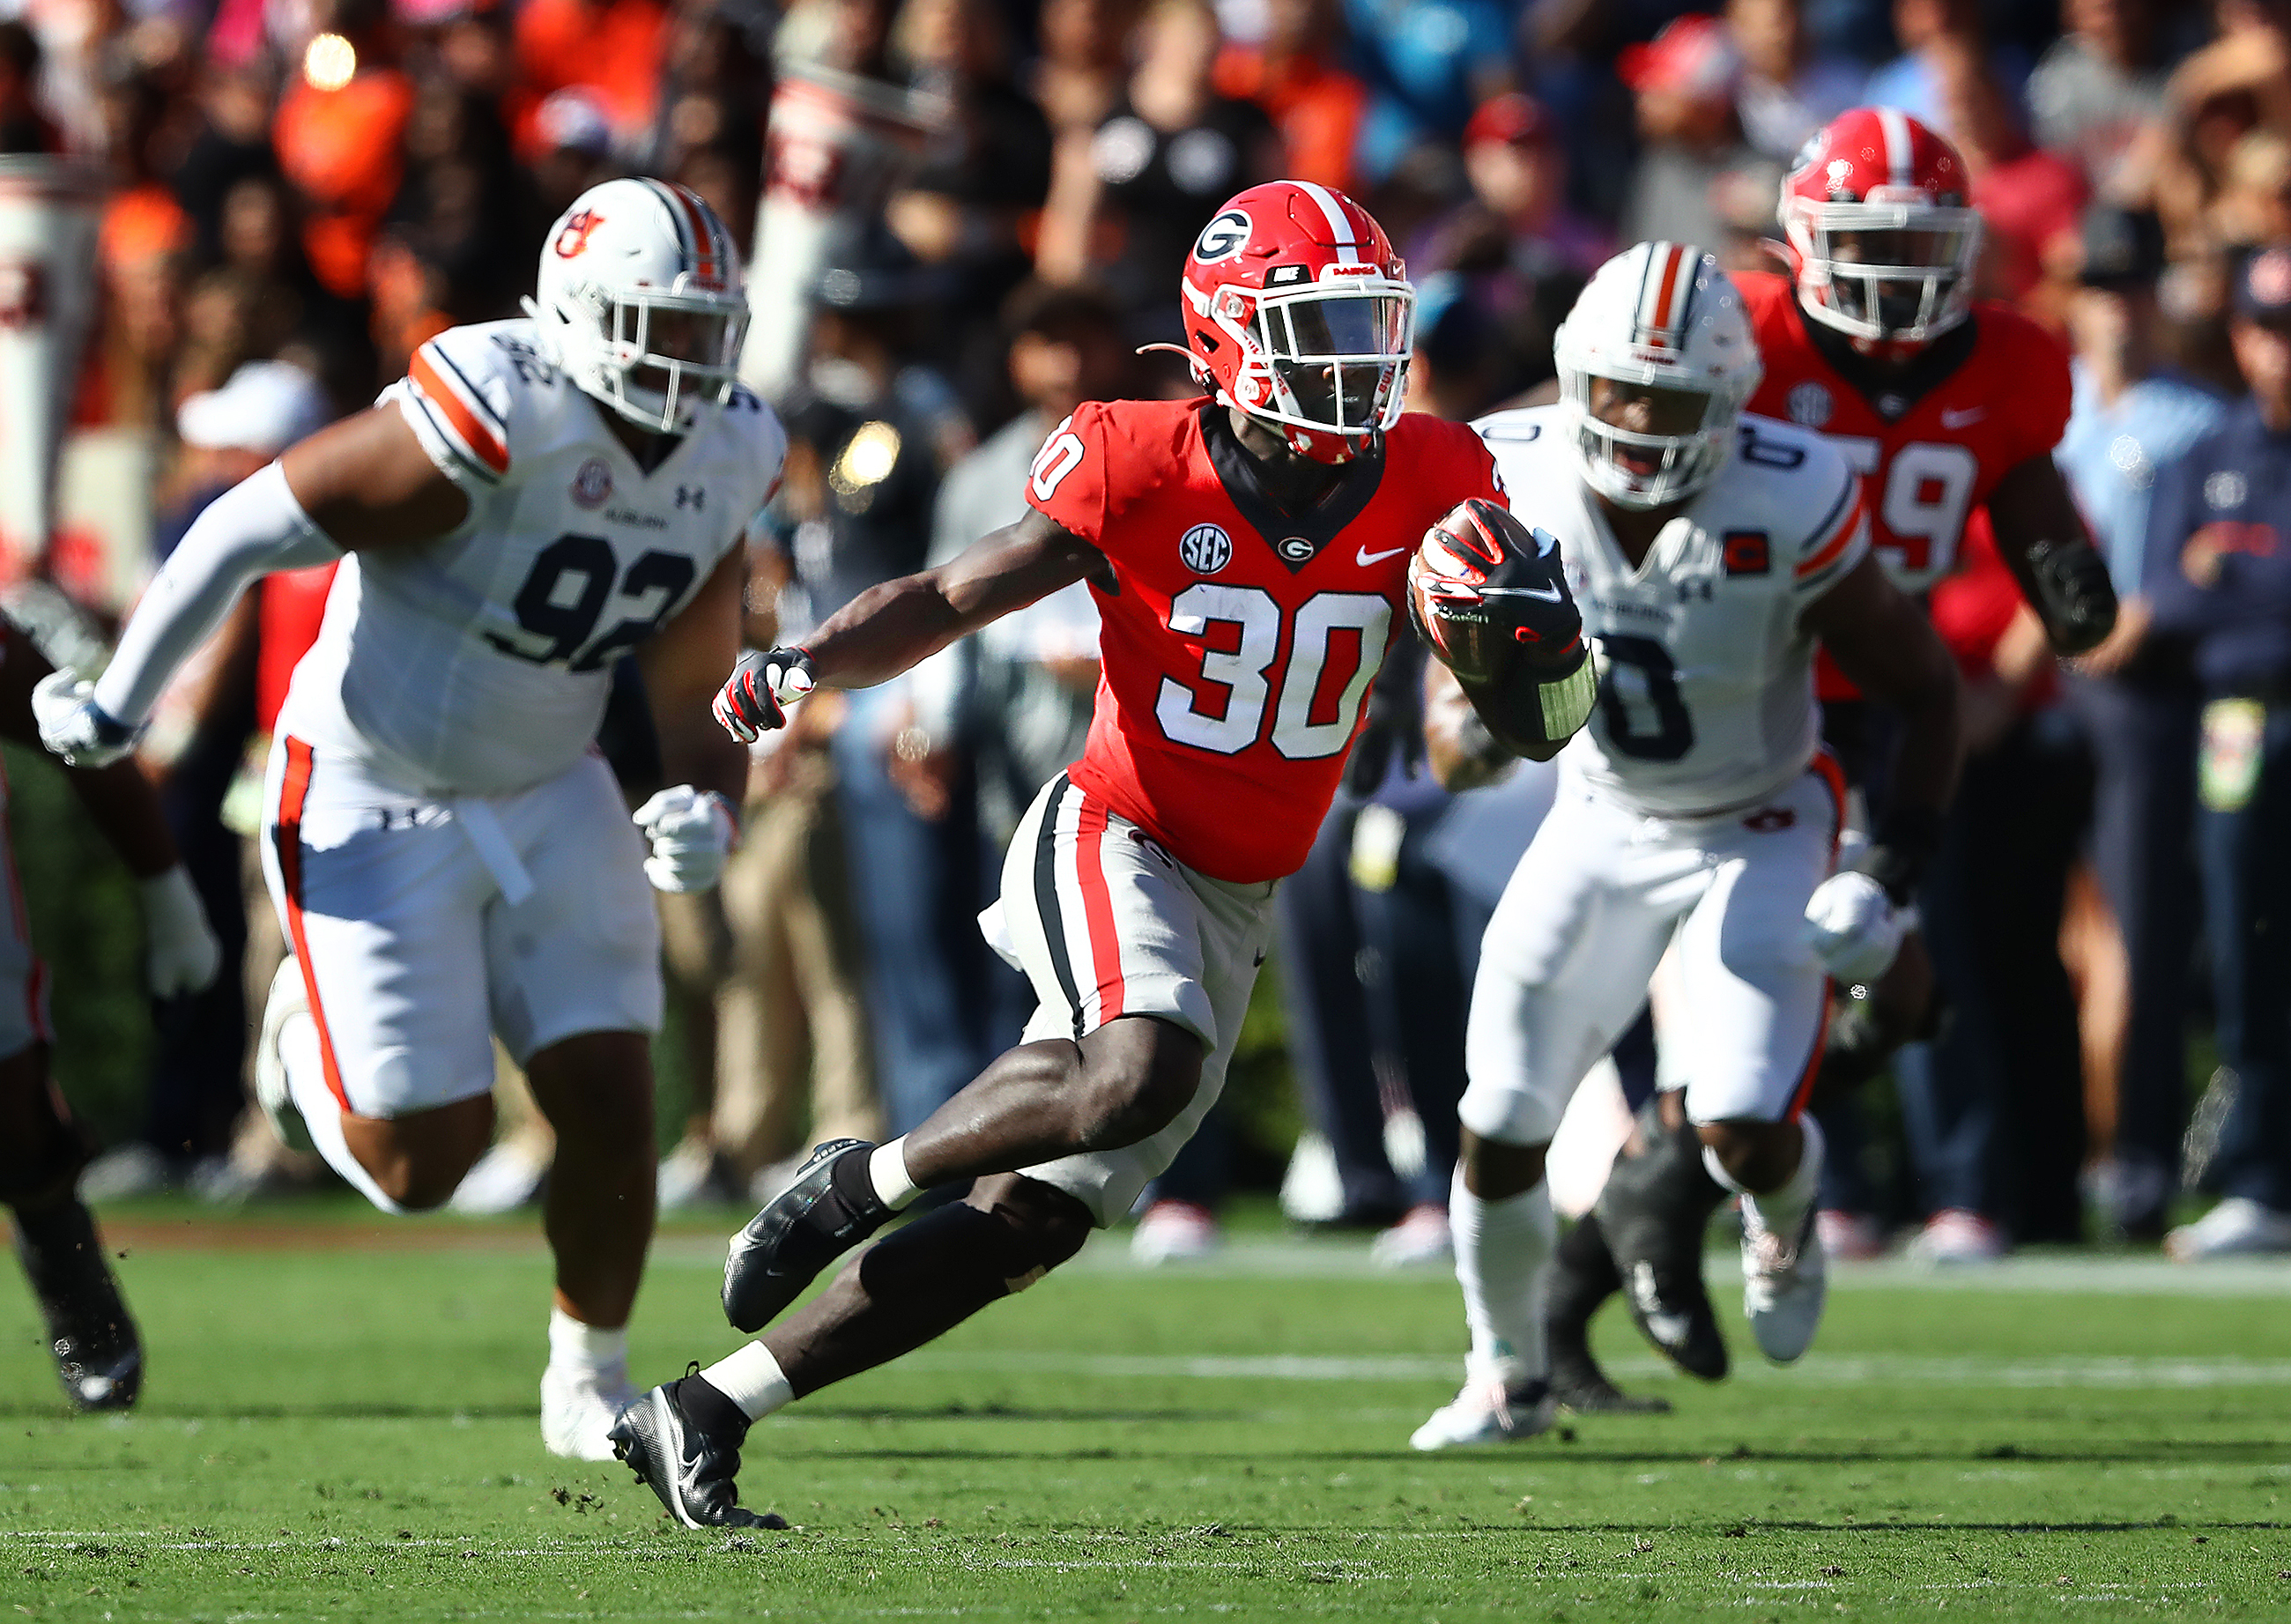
(479, 663)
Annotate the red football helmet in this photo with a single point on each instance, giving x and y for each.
(1878, 211)
(1298, 313)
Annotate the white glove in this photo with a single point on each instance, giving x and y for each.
(74, 727)
(1853, 928)
(183, 953)
(692, 832)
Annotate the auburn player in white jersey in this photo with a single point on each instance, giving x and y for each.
(450, 857)
(1711, 554)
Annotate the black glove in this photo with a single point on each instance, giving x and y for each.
(2074, 594)
(755, 698)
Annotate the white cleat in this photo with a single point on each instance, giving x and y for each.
(1174, 1232)
(1486, 1411)
(2239, 1227)
(1785, 1283)
(1422, 1236)
(578, 1410)
(1955, 1236)
(286, 1018)
(506, 1177)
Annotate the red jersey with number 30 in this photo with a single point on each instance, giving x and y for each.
(1237, 653)
(1928, 465)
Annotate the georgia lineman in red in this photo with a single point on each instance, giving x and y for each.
(1249, 553)
(1238, 641)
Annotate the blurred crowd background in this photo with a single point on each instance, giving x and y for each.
(305, 190)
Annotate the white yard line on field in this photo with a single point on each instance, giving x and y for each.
(1822, 1370)
(1278, 1258)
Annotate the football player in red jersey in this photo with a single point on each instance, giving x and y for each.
(1248, 552)
(1946, 402)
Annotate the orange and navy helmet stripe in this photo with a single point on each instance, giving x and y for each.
(1666, 295)
(696, 233)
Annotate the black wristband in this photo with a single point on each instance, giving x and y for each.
(1905, 842)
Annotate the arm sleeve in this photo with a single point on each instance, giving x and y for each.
(250, 530)
(1067, 481)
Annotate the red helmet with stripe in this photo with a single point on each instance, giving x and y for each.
(1878, 213)
(640, 298)
(1298, 313)
(1662, 324)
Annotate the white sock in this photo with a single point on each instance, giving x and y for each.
(322, 1113)
(1503, 1256)
(1782, 1210)
(587, 1350)
(752, 1379)
(888, 1168)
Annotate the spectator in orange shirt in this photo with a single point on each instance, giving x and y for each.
(1293, 75)
(339, 132)
(611, 47)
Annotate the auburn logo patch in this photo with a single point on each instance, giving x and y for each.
(573, 237)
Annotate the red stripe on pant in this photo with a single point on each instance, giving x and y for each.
(1097, 910)
(287, 836)
(1833, 778)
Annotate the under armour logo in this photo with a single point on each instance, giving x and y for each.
(693, 496)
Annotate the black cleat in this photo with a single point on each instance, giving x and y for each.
(830, 1208)
(692, 1470)
(1672, 1310)
(99, 1357)
(1580, 1384)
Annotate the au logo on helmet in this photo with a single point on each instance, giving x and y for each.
(573, 237)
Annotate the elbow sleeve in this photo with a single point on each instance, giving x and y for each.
(250, 530)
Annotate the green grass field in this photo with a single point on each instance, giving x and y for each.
(345, 1427)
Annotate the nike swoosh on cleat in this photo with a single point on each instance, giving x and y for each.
(1951, 418)
(1365, 557)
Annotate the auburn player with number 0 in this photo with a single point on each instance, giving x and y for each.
(451, 858)
(1248, 552)
(1948, 405)
(1711, 553)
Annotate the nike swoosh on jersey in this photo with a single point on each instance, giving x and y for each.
(1365, 557)
(1549, 594)
(1951, 418)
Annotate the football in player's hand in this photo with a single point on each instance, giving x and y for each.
(1487, 597)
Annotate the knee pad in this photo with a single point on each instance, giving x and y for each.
(975, 1252)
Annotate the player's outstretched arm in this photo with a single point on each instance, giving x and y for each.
(363, 482)
(1887, 646)
(2044, 541)
(891, 628)
(183, 956)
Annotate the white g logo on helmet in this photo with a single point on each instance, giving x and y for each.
(639, 298)
(1223, 237)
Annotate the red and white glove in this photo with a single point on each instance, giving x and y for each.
(1854, 928)
(755, 699)
(692, 832)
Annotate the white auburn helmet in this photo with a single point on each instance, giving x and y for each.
(640, 298)
(1661, 314)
